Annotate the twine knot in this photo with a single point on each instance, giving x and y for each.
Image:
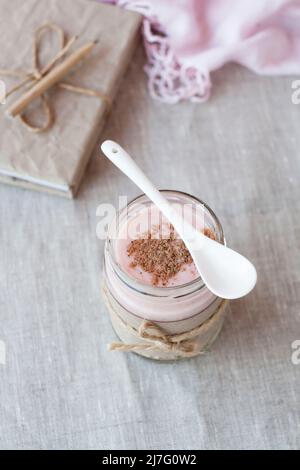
(153, 333)
(37, 75)
(151, 337)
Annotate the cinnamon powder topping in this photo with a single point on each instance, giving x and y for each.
(162, 257)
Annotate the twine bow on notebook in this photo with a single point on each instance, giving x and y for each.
(37, 81)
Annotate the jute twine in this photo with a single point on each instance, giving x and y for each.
(32, 77)
(182, 345)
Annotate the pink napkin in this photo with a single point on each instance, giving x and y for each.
(186, 40)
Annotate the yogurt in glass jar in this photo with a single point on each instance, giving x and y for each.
(142, 283)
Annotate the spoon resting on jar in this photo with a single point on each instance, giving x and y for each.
(225, 272)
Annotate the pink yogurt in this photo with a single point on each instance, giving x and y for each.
(147, 220)
(185, 296)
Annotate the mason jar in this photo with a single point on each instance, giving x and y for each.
(163, 323)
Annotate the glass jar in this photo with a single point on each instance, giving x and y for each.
(175, 310)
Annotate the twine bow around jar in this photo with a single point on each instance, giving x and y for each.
(151, 337)
(41, 78)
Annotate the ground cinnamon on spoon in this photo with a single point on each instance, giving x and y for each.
(161, 257)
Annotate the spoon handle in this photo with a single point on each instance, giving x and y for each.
(127, 165)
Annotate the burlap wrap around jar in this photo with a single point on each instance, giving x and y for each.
(163, 323)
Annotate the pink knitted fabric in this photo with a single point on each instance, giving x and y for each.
(185, 40)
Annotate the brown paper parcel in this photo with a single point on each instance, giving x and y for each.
(55, 160)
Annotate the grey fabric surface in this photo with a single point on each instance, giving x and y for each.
(60, 388)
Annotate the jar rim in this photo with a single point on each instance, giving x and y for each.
(165, 291)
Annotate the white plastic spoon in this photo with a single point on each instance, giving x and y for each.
(225, 272)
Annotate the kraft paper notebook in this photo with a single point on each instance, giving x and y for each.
(55, 160)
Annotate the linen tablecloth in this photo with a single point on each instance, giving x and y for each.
(60, 388)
